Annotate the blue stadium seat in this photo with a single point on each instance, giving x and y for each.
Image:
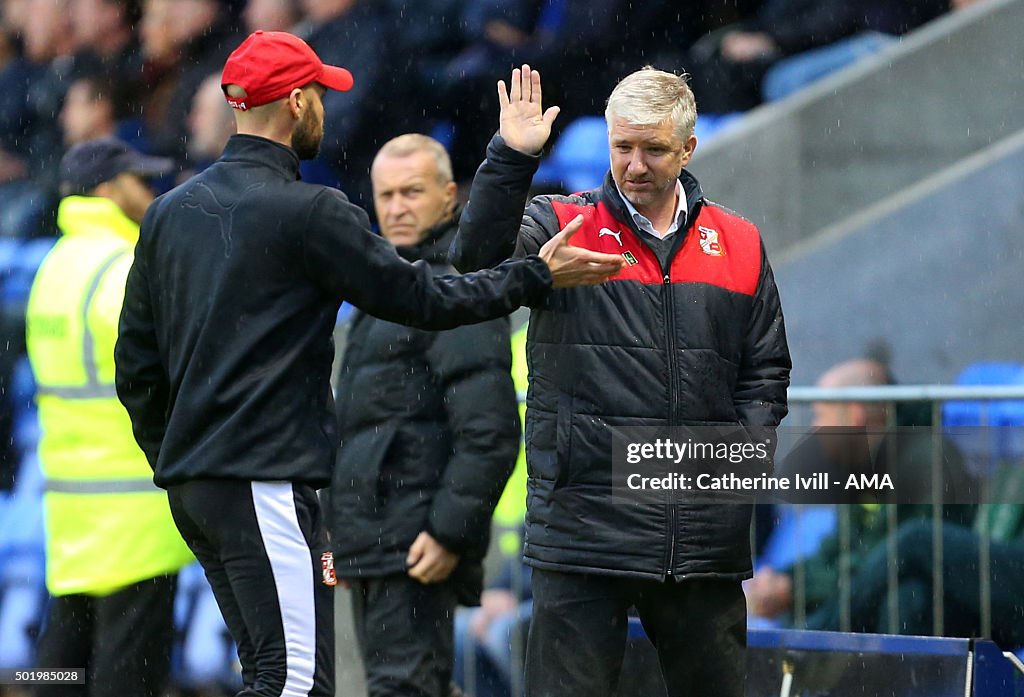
(22, 567)
(204, 655)
(23, 205)
(444, 133)
(579, 158)
(8, 249)
(22, 542)
(710, 126)
(22, 395)
(1004, 439)
(798, 533)
(18, 266)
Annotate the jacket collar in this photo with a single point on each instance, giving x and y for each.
(691, 189)
(95, 215)
(434, 247)
(243, 147)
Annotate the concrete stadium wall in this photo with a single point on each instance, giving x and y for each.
(944, 92)
(936, 271)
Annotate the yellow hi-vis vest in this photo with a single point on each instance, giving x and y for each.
(107, 524)
(511, 509)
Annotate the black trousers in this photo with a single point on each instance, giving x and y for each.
(122, 641)
(578, 634)
(406, 633)
(260, 545)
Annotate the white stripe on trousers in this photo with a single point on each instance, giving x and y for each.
(292, 567)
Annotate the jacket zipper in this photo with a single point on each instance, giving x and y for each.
(672, 402)
(670, 346)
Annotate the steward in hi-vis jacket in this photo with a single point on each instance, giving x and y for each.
(112, 550)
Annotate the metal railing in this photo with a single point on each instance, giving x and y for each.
(800, 399)
(891, 395)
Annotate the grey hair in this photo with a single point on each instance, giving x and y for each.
(410, 143)
(649, 97)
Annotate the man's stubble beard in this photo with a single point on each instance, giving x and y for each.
(305, 137)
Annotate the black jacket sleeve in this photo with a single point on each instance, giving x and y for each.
(760, 396)
(492, 226)
(140, 379)
(472, 366)
(351, 263)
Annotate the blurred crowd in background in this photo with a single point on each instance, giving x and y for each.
(148, 70)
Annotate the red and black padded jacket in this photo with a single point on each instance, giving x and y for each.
(698, 341)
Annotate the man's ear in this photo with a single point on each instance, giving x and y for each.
(297, 102)
(103, 189)
(451, 191)
(858, 414)
(689, 146)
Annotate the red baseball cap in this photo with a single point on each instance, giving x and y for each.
(270, 64)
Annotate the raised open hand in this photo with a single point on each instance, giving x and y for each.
(524, 125)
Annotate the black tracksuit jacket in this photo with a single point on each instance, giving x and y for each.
(224, 351)
(698, 342)
(429, 435)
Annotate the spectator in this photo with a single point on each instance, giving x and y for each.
(49, 47)
(670, 29)
(22, 203)
(728, 65)
(15, 76)
(352, 32)
(670, 341)
(161, 55)
(577, 44)
(961, 588)
(112, 551)
(418, 477)
(33, 83)
(857, 438)
(183, 41)
(15, 13)
(90, 110)
(108, 45)
(210, 124)
(80, 38)
(105, 40)
(272, 15)
(430, 34)
(493, 635)
(48, 31)
(792, 73)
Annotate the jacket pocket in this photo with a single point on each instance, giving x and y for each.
(357, 473)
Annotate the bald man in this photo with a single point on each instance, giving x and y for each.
(858, 438)
(860, 372)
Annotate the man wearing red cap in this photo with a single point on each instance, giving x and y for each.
(224, 353)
